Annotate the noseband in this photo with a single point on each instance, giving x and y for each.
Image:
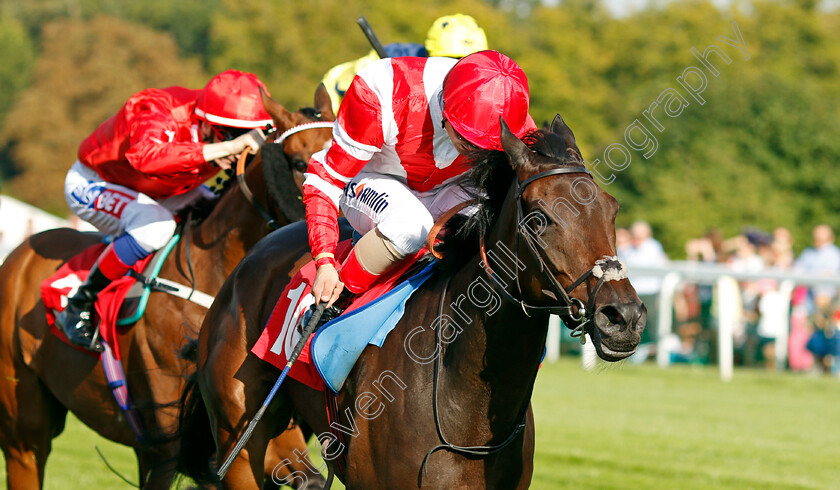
(574, 312)
(240, 168)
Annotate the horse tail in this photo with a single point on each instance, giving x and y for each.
(197, 445)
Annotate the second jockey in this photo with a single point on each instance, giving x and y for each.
(453, 36)
(399, 159)
(147, 162)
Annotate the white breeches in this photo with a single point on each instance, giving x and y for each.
(404, 216)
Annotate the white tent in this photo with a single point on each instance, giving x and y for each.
(18, 220)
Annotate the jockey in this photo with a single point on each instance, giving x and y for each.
(147, 162)
(453, 36)
(399, 156)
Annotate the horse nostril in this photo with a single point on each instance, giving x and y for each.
(623, 316)
(612, 314)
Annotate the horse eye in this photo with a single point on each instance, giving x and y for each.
(544, 216)
(299, 165)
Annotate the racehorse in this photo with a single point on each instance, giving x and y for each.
(43, 377)
(445, 402)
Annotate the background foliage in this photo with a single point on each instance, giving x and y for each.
(760, 151)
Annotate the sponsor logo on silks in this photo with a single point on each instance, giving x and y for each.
(376, 201)
(86, 195)
(339, 91)
(113, 202)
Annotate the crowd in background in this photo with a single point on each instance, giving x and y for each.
(814, 327)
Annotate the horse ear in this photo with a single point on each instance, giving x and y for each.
(513, 146)
(282, 118)
(559, 127)
(323, 103)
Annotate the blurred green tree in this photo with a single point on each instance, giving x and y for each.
(758, 152)
(86, 71)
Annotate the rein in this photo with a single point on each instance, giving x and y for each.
(240, 169)
(573, 311)
(480, 451)
(240, 178)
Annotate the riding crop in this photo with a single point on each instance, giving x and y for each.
(307, 332)
(371, 37)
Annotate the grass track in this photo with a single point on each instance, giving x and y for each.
(621, 426)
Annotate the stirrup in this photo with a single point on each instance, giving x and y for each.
(76, 328)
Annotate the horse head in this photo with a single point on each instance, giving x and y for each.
(565, 235)
(271, 183)
(299, 146)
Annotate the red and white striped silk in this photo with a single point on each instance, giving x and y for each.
(390, 122)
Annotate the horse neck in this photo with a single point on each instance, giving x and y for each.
(499, 349)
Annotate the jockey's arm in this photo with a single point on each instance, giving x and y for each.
(357, 136)
(154, 147)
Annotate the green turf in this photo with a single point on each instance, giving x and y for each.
(623, 426)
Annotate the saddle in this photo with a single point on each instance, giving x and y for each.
(331, 353)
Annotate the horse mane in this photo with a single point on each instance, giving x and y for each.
(489, 181)
(278, 175)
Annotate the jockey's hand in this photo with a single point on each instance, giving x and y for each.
(225, 162)
(326, 286)
(253, 139)
(224, 153)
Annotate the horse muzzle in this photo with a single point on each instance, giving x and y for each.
(616, 329)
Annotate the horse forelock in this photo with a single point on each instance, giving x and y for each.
(549, 145)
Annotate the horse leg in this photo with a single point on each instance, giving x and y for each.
(30, 417)
(287, 460)
(156, 469)
(231, 405)
(248, 469)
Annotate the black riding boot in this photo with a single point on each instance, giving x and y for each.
(76, 321)
(345, 299)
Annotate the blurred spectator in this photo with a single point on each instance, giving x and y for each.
(744, 257)
(693, 306)
(744, 251)
(823, 258)
(772, 310)
(799, 357)
(709, 248)
(782, 248)
(644, 250)
(622, 240)
(777, 252)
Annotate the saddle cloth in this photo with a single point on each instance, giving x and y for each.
(56, 289)
(330, 354)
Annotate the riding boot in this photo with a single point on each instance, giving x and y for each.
(76, 320)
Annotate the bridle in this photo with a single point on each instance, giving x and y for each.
(572, 310)
(575, 314)
(271, 221)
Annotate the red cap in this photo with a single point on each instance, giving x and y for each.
(232, 98)
(478, 90)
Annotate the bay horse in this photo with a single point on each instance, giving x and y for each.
(43, 377)
(445, 402)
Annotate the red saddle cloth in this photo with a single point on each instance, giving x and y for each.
(281, 334)
(56, 289)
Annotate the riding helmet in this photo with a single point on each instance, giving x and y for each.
(232, 98)
(455, 36)
(481, 88)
